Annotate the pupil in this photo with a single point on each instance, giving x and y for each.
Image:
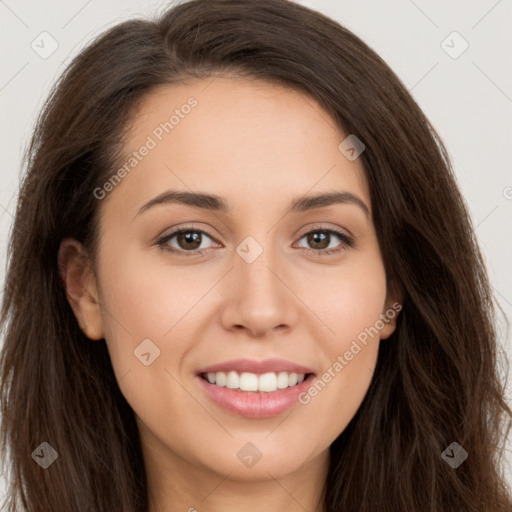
(317, 238)
(190, 237)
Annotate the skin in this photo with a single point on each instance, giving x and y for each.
(258, 146)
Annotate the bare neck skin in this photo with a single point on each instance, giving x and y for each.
(196, 489)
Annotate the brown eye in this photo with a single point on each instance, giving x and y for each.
(187, 240)
(319, 240)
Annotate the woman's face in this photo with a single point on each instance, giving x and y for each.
(261, 302)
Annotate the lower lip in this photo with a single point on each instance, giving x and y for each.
(255, 404)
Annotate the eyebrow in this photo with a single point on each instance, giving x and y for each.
(217, 203)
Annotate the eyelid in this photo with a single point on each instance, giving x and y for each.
(325, 227)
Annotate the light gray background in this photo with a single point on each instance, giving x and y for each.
(468, 99)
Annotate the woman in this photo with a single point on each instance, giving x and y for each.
(327, 342)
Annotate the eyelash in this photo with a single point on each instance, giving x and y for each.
(347, 242)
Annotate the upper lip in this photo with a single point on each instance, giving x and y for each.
(258, 367)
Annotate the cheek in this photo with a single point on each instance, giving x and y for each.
(349, 364)
(148, 299)
(152, 308)
(350, 304)
(143, 317)
(347, 300)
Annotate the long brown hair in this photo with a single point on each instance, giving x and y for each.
(436, 380)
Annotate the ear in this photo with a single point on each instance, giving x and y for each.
(392, 307)
(80, 285)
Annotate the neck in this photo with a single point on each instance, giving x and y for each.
(175, 484)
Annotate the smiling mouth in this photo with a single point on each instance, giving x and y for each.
(260, 383)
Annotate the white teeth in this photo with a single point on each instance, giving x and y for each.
(282, 380)
(219, 379)
(247, 381)
(267, 382)
(232, 380)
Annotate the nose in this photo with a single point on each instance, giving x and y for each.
(259, 296)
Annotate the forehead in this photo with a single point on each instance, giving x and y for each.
(243, 139)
